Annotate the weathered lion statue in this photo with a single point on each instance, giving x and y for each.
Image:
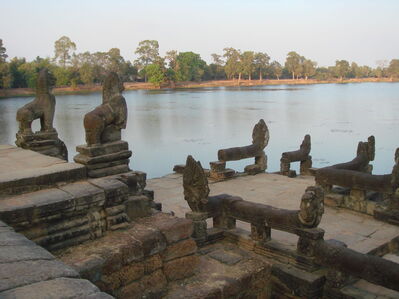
(105, 122)
(43, 106)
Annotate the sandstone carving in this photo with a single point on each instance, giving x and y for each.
(105, 153)
(312, 207)
(301, 155)
(195, 185)
(105, 122)
(260, 139)
(363, 191)
(46, 140)
(43, 107)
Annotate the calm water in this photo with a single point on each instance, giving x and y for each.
(165, 126)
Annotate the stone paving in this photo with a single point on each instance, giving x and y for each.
(360, 232)
(29, 271)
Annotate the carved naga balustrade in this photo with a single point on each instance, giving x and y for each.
(301, 155)
(376, 195)
(260, 139)
(312, 251)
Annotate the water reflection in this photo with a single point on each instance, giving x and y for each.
(165, 126)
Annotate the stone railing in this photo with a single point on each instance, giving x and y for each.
(260, 139)
(375, 195)
(301, 155)
(311, 252)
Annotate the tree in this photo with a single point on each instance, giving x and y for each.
(261, 62)
(393, 69)
(217, 59)
(216, 68)
(3, 55)
(309, 68)
(293, 64)
(190, 66)
(342, 68)
(148, 51)
(62, 50)
(233, 64)
(171, 56)
(248, 65)
(155, 74)
(276, 69)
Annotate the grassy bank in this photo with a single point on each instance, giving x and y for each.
(83, 89)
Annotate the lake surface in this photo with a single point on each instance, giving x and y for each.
(165, 126)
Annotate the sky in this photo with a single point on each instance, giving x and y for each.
(323, 30)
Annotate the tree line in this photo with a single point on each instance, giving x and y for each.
(70, 68)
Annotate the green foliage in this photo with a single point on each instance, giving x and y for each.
(342, 69)
(293, 64)
(3, 55)
(190, 66)
(233, 64)
(62, 75)
(261, 63)
(62, 50)
(155, 74)
(248, 63)
(393, 69)
(276, 69)
(309, 68)
(148, 51)
(72, 69)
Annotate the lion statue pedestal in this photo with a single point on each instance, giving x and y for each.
(105, 153)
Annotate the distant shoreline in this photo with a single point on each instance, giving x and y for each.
(83, 89)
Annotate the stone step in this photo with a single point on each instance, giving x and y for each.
(23, 171)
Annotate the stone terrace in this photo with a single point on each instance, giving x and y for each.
(359, 231)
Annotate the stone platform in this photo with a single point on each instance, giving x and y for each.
(26, 171)
(360, 232)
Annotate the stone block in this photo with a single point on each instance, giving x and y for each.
(115, 191)
(27, 272)
(85, 194)
(10, 254)
(179, 249)
(225, 257)
(253, 169)
(172, 228)
(152, 241)
(29, 180)
(138, 206)
(225, 174)
(13, 239)
(103, 149)
(122, 277)
(107, 164)
(135, 180)
(152, 263)
(217, 166)
(35, 205)
(97, 173)
(150, 286)
(181, 268)
(86, 160)
(56, 288)
(179, 168)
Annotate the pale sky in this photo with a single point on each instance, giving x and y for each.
(356, 30)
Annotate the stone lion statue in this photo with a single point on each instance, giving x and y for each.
(43, 106)
(312, 207)
(105, 122)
